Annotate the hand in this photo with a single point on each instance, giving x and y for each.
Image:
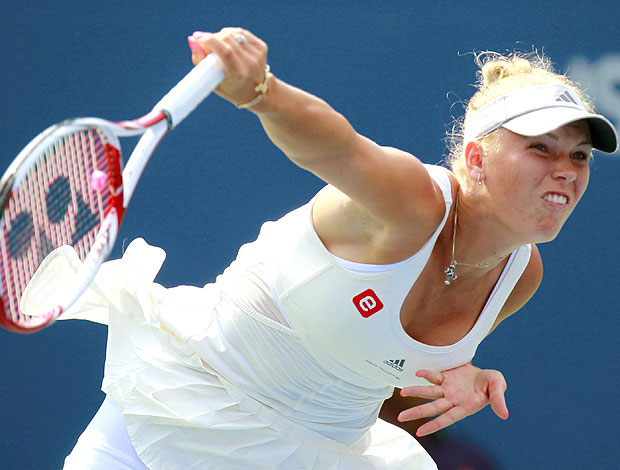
(456, 394)
(243, 58)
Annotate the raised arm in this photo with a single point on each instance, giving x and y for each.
(382, 186)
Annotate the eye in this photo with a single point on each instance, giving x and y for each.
(581, 155)
(539, 146)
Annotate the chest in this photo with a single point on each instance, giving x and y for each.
(437, 314)
(384, 326)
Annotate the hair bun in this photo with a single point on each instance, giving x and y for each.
(495, 68)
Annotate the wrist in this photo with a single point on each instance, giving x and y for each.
(262, 89)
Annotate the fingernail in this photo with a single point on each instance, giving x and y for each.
(191, 43)
(199, 34)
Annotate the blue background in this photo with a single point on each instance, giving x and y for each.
(397, 70)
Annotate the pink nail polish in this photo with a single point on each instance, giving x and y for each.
(192, 45)
(199, 34)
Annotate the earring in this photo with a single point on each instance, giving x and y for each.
(479, 179)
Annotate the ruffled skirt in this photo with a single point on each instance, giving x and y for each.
(180, 413)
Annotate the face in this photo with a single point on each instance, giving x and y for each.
(536, 182)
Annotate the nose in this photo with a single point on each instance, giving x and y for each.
(564, 171)
(565, 176)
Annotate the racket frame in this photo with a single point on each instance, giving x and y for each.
(175, 106)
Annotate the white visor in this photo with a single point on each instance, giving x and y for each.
(537, 110)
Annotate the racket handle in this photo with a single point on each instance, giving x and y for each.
(192, 89)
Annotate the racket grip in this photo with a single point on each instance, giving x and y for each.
(192, 89)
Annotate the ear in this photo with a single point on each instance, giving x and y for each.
(473, 159)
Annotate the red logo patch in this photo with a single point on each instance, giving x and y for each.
(367, 303)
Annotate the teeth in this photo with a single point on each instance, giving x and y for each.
(556, 198)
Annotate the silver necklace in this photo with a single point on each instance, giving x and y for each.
(450, 270)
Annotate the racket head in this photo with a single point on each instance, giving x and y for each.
(65, 189)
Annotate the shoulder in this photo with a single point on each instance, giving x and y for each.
(529, 282)
(420, 211)
(389, 215)
(420, 205)
(525, 288)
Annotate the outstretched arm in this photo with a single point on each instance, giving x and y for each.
(387, 187)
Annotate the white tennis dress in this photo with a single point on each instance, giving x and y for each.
(282, 363)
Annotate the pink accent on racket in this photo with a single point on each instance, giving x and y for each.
(98, 180)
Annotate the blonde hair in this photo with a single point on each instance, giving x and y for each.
(498, 75)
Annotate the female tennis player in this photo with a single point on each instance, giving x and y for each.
(389, 277)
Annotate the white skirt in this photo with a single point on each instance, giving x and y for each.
(180, 414)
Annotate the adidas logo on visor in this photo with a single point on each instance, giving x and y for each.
(567, 98)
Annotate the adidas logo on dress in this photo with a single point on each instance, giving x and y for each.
(397, 364)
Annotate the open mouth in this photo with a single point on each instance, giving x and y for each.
(556, 198)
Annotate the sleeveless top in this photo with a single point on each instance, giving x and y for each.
(350, 321)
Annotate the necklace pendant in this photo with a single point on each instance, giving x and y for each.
(450, 274)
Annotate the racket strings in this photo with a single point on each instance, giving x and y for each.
(55, 204)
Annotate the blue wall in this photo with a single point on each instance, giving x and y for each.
(394, 69)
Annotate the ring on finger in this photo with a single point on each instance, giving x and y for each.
(241, 38)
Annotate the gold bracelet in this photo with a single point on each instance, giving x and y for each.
(261, 88)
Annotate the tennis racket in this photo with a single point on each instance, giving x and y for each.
(65, 194)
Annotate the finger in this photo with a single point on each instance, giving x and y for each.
(248, 57)
(422, 391)
(250, 52)
(497, 398)
(255, 41)
(239, 37)
(240, 51)
(433, 377)
(426, 410)
(252, 39)
(198, 53)
(236, 61)
(238, 40)
(450, 417)
(213, 42)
